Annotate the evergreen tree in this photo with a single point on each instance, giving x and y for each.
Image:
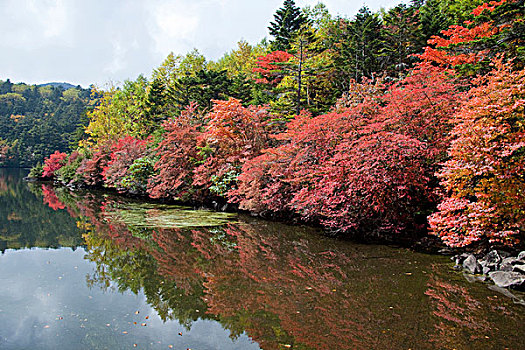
(241, 88)
(368, 44)
(433, 19)
(5, 87)
(201, 88)
(156, 101)
(288, 20)
(360, 48)
(402, 38)
(306, 75)
(36, 121)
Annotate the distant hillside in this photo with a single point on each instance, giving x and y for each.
(37, 120)
(64, 86)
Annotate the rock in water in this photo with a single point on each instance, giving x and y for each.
(508, 279)
(471, 264)
(508, 264)
(521, 256)
(519, 268)
(492, 257)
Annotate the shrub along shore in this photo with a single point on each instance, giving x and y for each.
(436, 147)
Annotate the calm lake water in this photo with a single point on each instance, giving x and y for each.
(94, 271)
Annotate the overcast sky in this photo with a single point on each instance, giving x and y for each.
(98, 41)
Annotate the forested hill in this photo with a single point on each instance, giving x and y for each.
(37, 120)
(65, 86)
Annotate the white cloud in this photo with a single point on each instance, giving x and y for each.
(31, 23)
(118, 62)
(173, 26)
(52, 16)
(96, 41)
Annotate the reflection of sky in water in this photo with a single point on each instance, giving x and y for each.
(45, 304)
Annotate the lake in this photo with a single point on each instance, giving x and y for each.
(89, 270)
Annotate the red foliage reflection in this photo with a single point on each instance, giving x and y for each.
(50, 198)
(284, 285)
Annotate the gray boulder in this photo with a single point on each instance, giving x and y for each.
(492, 257)
(506, 267)
(507, 264)
(458, 259)
(470, 278)
(486, 267)
(471, 264)
(519, 268)
(517, 300)
(511, 261)
(507, 279)
(521, 256)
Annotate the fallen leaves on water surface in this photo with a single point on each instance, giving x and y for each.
(146, 215)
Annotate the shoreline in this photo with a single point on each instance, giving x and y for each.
(503, 266)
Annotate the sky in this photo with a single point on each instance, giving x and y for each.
(108, 41)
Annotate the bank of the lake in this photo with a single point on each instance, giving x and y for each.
(94, 271)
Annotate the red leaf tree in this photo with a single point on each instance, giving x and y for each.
(123, 153)
(367, 165)
(55, 161)
(178, 157)
(270, 67)
(497, 28)
(91, 168)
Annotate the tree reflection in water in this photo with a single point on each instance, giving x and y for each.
(290, 287)
(25, 222)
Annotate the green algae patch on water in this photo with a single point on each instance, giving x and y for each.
(163, 216)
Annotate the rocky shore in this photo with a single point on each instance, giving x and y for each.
(500, 267)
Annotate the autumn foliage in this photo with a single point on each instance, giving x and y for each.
(369, 165)
(91, 168)
(53, 163)
(233, 135)
(484, 177)
(123, 153)
(494, 30)
(270, 69)
(178, 157)
(394, 148)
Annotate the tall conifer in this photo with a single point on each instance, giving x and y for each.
(288, 20)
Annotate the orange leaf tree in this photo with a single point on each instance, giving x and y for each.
(484, 177)
(233, 135)
(497, 27)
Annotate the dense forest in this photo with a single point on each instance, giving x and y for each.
(384, 125)
(37, 120)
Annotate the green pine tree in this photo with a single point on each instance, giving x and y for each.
(288, 20)
(360, 48)
(433, 17)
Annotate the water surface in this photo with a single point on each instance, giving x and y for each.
(93, 271)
